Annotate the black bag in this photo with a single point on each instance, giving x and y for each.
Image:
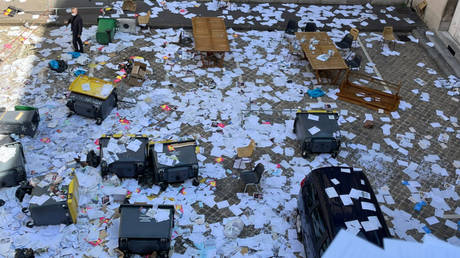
(12, 164)
(58, 65)
(24, 253)
(130, 164)
(142, 234)
(183, 166)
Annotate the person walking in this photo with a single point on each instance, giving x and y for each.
(76, 25)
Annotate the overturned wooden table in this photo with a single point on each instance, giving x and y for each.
(315, 44)
(211, 40)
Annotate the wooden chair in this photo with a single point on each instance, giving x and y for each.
(421, 7)
(355, 33)
(246, 152)
(388, 35)
(144, 20)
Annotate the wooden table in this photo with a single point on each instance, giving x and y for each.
(322, 46)
(211, 39)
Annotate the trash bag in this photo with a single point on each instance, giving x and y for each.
(92, 159)
(75, 54)
(315, 93)
(79, 72)
(57, 65)
(233, 228)
(24, 253)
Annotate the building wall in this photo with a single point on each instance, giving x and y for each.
(433, 12)
(454, 28)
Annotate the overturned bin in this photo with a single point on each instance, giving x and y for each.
(318, 132)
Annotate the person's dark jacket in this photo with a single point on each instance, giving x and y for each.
(76, 24)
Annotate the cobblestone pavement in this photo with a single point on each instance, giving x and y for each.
(260, 108)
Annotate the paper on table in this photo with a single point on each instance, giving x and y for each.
(331, 192)
(314, 130)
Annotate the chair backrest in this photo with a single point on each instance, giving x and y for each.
(387, 30)
(310, 27)
(354, 32)
(259, 170)
(291, 27)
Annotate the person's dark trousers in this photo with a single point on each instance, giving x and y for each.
(77, 43)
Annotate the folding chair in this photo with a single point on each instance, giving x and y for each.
(345, 44)
(310, 27)
(388, 35)
(252, 177)
(354, 63)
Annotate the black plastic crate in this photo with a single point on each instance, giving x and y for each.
(12, 162)
(318, 132)
(20, 121)
(176, 163)
(141, 234)
(126, 164)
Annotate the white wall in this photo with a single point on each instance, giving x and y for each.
(454, 28)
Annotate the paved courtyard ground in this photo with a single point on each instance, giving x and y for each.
(411, 156)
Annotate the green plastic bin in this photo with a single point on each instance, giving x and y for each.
(106, 28)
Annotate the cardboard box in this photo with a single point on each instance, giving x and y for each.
(137, 75)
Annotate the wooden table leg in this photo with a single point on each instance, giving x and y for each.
(339, 72)
(318, 77)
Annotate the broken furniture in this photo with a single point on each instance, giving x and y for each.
(318, 132)
(22, 121)
(129, 5)
(252, 177)
(367, 91)
(106, 28)
(92, 97)
(211, 40)
(137, 75)
(316, 44)
(388, 35)
(145, 229)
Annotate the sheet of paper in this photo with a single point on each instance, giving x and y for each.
(314, 130)
(368, 206)
(346, 199)
(331, 192)
(158, 147)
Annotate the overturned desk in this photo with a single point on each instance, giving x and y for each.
(211, 40)
(314, 46)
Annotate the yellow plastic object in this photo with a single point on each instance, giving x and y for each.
(92, 87)
(72, 199)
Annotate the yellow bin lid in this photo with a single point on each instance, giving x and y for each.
(93, 87)
(72, 199)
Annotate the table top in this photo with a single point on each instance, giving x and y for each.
(210, 34)
(321, 44)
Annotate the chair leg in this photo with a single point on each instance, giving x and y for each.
(245, 187)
